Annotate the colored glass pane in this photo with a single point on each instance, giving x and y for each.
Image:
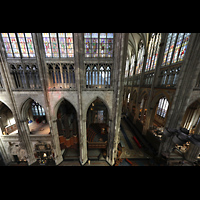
(30, 46)
(184, 46)
(140, 59)
(132, 65)
(69, 43)
(157, 44)
(171, 48)
(102, 35)
(22, 44)
(47, 46)
(54, 45)
(167, 48)
(109, 35)
(102, 45)
(177, 49)
(98, 44)
(7, 45)
(62, 44)
(14, 44)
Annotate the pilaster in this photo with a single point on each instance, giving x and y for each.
(79, 67)
(120, 49)
(40, 57)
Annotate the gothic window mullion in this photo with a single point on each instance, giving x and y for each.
(34, 76)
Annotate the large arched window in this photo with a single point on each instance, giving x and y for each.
(140, 58)
(162, 107)
(98, 44)
(18, 45)
(175, 48)
(153, 51)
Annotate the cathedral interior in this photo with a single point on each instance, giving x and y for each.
(99, 99)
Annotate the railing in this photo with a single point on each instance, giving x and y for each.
(97, 145)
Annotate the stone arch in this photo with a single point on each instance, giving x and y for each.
(6, 104)
(157, 97)
(66, 127)
(8, 121)
(57, 105)
(25, 105)
(191, 116)
(28, 117)
(92, 100)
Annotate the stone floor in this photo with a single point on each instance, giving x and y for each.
(135, 155)
(136, 152)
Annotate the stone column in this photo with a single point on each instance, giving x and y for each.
(24, 137)
(43, 72)
(120, 50)
(187, 80)
(79, 76)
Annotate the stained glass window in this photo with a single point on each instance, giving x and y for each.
(98, 44)
(140, 59)
(14, 44)
(18, 43)
(65, 47)
(7, 44)
(176, 53)
(132, 65)
(184, 46)
(22, 43)
(167, 48)
(127, 68)
(30, 46)
(47, 45)
(171, 47)
(153, 50)
(54, 45)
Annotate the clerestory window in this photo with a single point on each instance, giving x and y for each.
(18, 45)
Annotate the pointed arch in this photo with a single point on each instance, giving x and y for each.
(57, 105)
(25, 105)
(92, 100)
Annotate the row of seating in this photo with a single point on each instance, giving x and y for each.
(90, 134)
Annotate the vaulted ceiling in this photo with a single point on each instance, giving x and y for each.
(133, 41)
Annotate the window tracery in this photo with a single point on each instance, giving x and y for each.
(18, 45)
(140, 58)
(61, 75)
(37, 109)
(162, 107)
(58, 45)
(153, 50)
(175, 48)
(131, 71)
(25, 76)
(98, 75)
(98, 44)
